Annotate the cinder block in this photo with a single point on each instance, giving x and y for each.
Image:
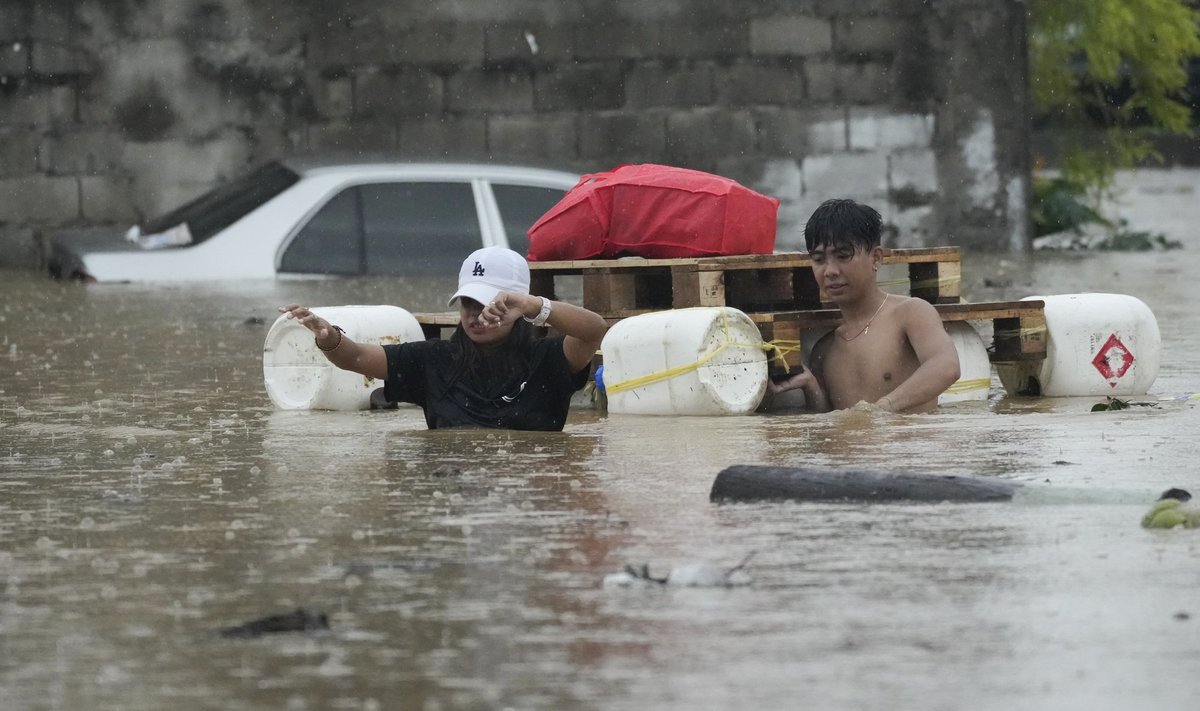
(865, 82)
(782, 132)
(417, 44)
(151, 199)
(795, 35)
(15, 19)
(826, 8)
(534, 43)
(460, 137)
(479, 90)
(438, 43)
(872, 128)
(650, 84)
(364, 137)
(702, 137)
(827, 133)
(914, 170)
(106, 200)
(402, 93)
(39, 199)
(333, 98)
(749, 83)
(51, 21)
(617, 40)
(871, 35)
(541, 136)
(39, 105)
(176, 162)
(83, 151)
(862, 176)
(821, 79)
(596, 86)
(273, 139)
(717, 37)
(912, 227)
(14, 58)
(613, 137)
(19, 248)
(50, 59)
(19, 151)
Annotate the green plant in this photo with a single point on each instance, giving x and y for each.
(1117, 63)
(1124, 239)
(1060, 204)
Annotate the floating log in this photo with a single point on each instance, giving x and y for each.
(745, 482)
(298, 620)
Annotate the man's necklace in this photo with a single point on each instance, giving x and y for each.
(868, 326)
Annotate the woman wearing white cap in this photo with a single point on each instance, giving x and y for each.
(492, 372)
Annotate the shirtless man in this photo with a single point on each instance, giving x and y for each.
(890, 350)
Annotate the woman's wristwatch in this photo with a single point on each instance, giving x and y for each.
(543, 315)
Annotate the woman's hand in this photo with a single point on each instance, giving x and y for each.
(321, 328)
(507, 307)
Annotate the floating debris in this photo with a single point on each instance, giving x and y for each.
(298, 620)
(1112, 404)
(1173, 510)
(690, 575)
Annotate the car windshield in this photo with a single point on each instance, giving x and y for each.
(217, 209)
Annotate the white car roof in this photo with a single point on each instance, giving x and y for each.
(382, 167)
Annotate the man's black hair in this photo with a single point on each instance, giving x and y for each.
(843, 223)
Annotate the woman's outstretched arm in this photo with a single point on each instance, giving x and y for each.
(363, 358)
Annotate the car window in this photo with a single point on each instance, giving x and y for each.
(520, 207)
(418, 228)
(331, 242)
(217, 209)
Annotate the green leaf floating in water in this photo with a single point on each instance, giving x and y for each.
(1112, 404)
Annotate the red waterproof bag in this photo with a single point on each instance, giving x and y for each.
(655, 211)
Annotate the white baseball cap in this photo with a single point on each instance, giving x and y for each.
(489, 271)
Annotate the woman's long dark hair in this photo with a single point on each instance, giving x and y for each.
(508, 359)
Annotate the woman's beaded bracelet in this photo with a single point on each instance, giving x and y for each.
(335, 346)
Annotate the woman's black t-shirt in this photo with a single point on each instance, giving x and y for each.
(537, 399)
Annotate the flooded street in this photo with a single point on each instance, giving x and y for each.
(150, 496)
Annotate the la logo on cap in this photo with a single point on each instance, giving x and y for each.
(478, 270)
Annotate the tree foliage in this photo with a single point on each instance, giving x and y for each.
(1119, 64)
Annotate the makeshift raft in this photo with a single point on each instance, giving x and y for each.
(780, 295)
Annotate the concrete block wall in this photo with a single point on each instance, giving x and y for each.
(112, 111)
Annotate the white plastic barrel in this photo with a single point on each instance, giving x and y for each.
(1096, 344)
(299, 377)
(974, 367)
(698, 361)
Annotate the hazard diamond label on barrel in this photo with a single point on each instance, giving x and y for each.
(1113, 360)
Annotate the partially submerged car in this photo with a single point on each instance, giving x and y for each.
(299, 218)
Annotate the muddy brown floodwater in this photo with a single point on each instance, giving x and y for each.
(150, 496)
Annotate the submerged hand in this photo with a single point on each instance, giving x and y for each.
(800, 380)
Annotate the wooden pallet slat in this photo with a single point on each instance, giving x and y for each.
(754, 282)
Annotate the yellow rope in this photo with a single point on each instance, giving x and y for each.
(964, 386)
(778, 348)
(1019, 332)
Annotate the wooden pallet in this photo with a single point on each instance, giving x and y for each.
(1018, 327)
(778, 292)
(750, 283)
